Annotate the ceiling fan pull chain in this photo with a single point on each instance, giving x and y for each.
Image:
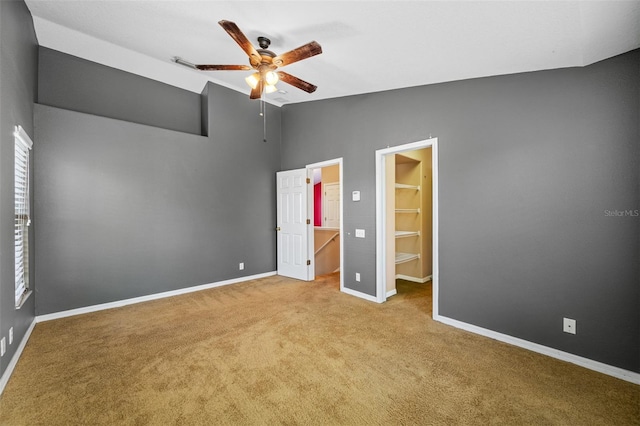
(264, 120)
(263, 114)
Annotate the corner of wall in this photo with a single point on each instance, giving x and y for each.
(18, 72)
(204, 110)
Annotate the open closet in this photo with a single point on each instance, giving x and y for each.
(409, 217)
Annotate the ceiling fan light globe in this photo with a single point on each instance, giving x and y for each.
(271, 78)
(253, 80)
(270, 88)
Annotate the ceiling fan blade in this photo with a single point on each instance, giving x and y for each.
(223, 67)
(232, 29)
(296, 82)
(257, 91)
(298, 54)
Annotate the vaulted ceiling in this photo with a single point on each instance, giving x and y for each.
(368, 46)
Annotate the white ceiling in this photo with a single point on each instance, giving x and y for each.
(368, 46)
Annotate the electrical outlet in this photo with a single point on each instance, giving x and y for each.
(3, 346)
(11, 335)
(359, 233)
(358, 276)
(241, 266)
(569, 325)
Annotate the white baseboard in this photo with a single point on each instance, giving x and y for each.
(120, 303)
(359, 294)
(392, 293)
(600, 367)
(413, 279)
(16, 356)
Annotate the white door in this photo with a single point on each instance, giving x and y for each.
(331, 205)
(291, 193)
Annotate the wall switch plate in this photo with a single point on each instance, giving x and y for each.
(241, 266)
(359, 233)
(358, 276)
(11, 335)
(569, 325)
(3, 346)
(355, 195)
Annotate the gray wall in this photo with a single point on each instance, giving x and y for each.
(126, 210)
(18, 89)
(528, 165)
(76, 84)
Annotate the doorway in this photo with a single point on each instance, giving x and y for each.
(326, 203)
(410, 234)
(295, 224)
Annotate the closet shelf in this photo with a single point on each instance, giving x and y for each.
(406, 257)
(402, 234)
(417, 211)
(405, 186)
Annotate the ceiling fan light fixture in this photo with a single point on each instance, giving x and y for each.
(264, 61)
(253, 80)
(271, 78)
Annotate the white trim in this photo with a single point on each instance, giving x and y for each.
(125, 302)
(359, 294)
(600, 367)
(381, 264)
(435, 277)
(414, 279)
(23, 137)
(310, 241)
(392, 293)
(16, 356)
(311, 234)
(23, 299)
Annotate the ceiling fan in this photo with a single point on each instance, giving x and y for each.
(265, 62)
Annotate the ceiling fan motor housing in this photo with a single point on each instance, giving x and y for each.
(267, 55)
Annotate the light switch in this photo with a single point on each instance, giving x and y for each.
(355, 195)
(359, 233)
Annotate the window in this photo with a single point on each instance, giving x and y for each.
(23, 145)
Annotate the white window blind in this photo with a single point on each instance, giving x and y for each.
(23, 144)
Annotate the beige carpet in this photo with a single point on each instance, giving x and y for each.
(280, 351)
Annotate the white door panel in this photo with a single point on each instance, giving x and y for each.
(292, 223)
(332, 205)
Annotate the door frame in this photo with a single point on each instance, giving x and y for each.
(381, 202)
(310, 236)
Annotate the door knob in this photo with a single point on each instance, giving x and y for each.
(278, 228)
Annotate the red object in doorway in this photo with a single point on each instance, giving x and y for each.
(317, 204)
